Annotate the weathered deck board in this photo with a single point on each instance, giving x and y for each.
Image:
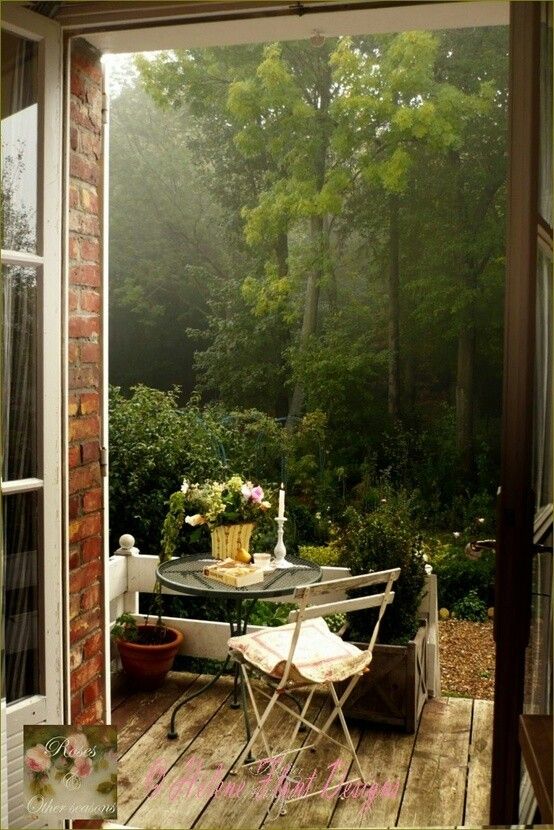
(202, 766)
(135, 715)
(154, 746)
(480, 760)
(450, 754)
(250, 809)
(435, 788)
(386, 757)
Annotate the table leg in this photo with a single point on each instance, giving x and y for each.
(172, 734)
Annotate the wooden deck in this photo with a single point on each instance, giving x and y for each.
(438, 777)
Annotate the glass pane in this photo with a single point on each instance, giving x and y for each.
(22, 609)
(542, 439)
(20, 368)
(19, 142)
(545, 153)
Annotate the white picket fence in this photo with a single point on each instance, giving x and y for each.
(131, 574)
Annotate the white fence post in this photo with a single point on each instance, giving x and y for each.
(127, 548)
(429, 607)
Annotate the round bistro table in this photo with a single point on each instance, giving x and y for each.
(185, 576)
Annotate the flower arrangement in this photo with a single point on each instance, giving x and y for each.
(215, 504)
(223, 502)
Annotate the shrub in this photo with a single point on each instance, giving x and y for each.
(383, 539)
(471, 607)
(323, 555)
(457, 575)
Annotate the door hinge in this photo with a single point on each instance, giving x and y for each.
(104, 461)
(105, 107)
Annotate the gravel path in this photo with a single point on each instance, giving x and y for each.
(467, 658)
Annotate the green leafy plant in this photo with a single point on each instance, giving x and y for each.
(126, 628)
(324, 555)
(457, 575)
(376, 541)
(470, 607)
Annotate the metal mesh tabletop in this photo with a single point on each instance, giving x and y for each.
(185, 575)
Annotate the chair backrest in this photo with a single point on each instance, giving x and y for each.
(308, 609)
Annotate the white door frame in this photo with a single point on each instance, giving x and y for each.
(49, 705)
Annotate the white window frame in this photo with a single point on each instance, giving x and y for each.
(48, 705)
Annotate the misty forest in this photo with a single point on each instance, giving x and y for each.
(307, 269)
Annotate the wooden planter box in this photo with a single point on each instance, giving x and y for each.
(394, 690)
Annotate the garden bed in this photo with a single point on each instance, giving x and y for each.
(467, 655)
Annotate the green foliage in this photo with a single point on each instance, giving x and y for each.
(458, 576)
(324, 555)
(375, 541)
(125, 628)
(470, 607)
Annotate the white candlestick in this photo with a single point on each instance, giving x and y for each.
(281, 512)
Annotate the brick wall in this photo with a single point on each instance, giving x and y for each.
(84, 375)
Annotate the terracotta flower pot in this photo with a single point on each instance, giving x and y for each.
(147, 665)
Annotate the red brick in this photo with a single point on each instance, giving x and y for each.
(74, 506)
(92, 501)
(89, 201)
(74, 605)
(83, 169)
(85, 275)
(75, 658)
(74, 456)
(90, 301)
(84, 326)
(73, 196)
(90, 451)
(91, 548)
(83, 478)
(93, 645)
(78, 85)
(87, 671)
(84, 116)
(90, 403)
(73, 248)
(84, 223)
(84, 427)
(90, 353)
(93, 714)
(83, 377)
(85, 60)
(90, 597)
(94, 690)
(76, 705)
(85, 624)
(85, 526)
(73, 300)
(90, 250)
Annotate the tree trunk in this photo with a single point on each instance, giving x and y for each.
(309, 319)
(465, 398)
(394, 308)
(319, 233)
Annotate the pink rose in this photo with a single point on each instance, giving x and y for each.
(83, 767)
(76, 745)
(257, 494)
(37, 759)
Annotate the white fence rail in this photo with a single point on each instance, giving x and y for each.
(131, 574)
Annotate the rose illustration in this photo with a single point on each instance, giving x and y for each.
(76, 745)
(82, 767)
(37, 759)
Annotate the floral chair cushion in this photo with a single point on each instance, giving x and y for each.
(319, 655)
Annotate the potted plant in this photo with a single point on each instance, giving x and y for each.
(228, 508)
(394, 690)
(147, 650)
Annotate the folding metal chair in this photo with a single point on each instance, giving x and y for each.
(305, 655)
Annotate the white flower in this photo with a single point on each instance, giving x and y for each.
(185, 486)
(197, 519)
(245, 491)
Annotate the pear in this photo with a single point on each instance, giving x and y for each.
(242, 555)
